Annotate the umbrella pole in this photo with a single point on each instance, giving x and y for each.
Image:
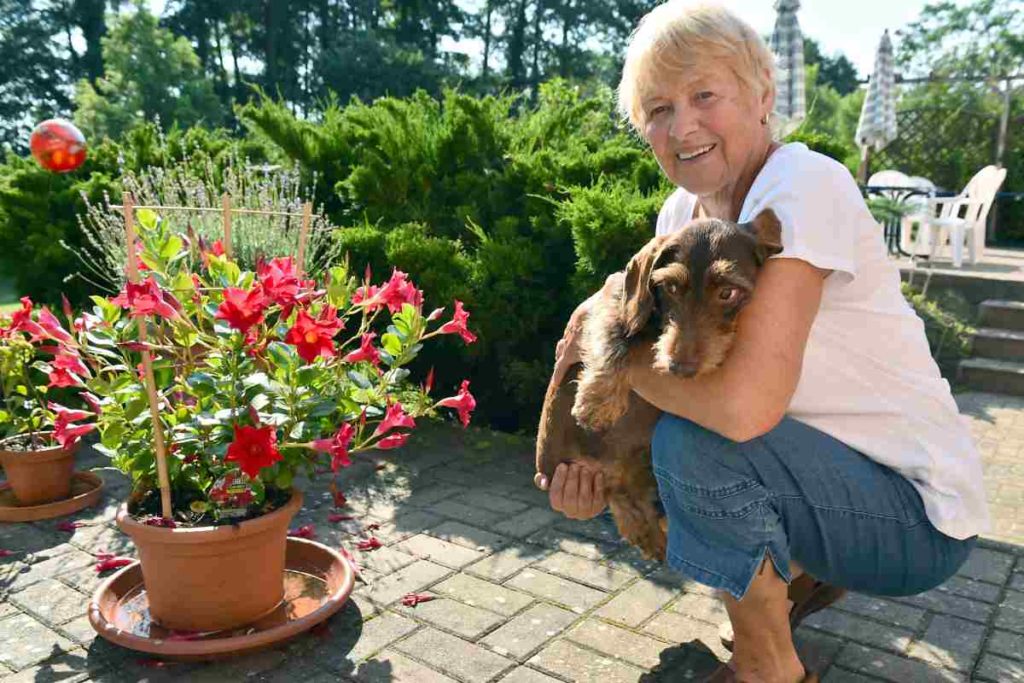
(865, 160)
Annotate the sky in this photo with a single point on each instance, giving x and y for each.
(853, 28)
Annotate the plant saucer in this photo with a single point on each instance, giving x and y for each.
(86, 489)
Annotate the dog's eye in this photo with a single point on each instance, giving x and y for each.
(672, 288)
(728, 294)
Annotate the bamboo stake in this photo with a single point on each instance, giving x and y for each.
(225, 202)
(147, 368)
(208, 209)
(307, 217)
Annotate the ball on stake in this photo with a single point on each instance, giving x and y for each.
(58, 145)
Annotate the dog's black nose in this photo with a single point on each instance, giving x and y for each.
(686, 368)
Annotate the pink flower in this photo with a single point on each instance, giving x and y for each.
(458, 324)
(337, 446)
(62, 378)
(68, 526)
(108, 561)
(392, 441)
(463, 402)
(368, 544)
(314, 338)
(67, 370)
(366, 351)
(413, 599)
(48, 321)
(395, 292)
(92, 400)
(336, 517)
(394, 417)
(307, 531)
(144, 298)
(21, 320)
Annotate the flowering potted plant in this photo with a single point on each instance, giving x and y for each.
(39, 358)
(254, 383)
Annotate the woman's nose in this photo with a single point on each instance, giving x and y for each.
(684, 122)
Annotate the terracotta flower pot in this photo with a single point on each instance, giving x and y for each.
(215, 577)
(40, 476)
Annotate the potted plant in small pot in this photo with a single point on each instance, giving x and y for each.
(40, 363)
(247, 379)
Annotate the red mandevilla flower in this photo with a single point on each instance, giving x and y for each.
(144, 298)
(48, 321)
(458, 324)
(392, 441)
(394, 417)
(463, 402)
(366, 351)
(21, 321)
(337, 446)
(242, 309)
(312, 338)
(253, 448)
(280, 282)
(64, 431)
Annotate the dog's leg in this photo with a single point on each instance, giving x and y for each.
(602, 397)
(639, 523)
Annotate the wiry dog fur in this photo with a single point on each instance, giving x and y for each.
(680, 294)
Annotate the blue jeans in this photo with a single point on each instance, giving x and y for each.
(796, 494)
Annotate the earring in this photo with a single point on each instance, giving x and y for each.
(764, 120)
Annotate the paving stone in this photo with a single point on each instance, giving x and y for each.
(861, 630)
(677, 628)
(885, 611)
(495, 502)
(617, 642)
(557, 539)
(463, 620)
(28, 539)
(584, 571)
(999, 669)
(576, 597)
(698, 606)
(637, 603)
(415, 577)
(1017, 582)
(969, 588)
(528, 631)
(79, 630)
(507, 562)
(51, 567)
(390, 666)
(524, 674)
(949, 642)
(575, 663)
(83, 579)
(405, 526)
(441, 552)
(816, 650)
(431, 494)
(527, 522)
(7, 609)
(468, 536)
(1011, 612)
(953, 605)
(241, 668)
(1007, 644)
(104, 539)
(69, 667)
(51, 601)
(891, 667)
(454, 656)
(601, 529)
(24, 642)
(383, 560)
(343, 648)
(484, 594)
(837, 675)
(987, 565)
(629, 560)
(466, 513)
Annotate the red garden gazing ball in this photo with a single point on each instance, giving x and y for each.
(58, 145)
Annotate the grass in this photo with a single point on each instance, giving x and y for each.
(8, 296)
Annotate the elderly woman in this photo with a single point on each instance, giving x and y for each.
(827, 445)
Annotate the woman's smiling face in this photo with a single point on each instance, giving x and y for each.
(705, 127)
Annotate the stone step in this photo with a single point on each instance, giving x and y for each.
(1000, 314)
(990, 342)
(993, 375)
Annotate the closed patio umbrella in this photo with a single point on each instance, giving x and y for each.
(787, 42)
(877, 125)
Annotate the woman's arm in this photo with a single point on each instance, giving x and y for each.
(749, 394)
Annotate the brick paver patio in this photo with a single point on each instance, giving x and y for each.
(524, 596)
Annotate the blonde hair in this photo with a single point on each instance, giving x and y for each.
(679, 35)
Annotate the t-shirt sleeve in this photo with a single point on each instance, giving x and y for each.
(674, 213)
(819, 207)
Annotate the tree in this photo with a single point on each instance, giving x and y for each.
(836, 71)
(33, 69)
(149, 73)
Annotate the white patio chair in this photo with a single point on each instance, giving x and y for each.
(917, 213)
(962, 218)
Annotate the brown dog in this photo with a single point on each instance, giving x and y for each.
(680, 294)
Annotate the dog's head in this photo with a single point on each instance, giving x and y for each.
(692, 283)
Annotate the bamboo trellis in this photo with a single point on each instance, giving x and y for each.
(129, 208)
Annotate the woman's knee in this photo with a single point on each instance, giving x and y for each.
(685, 450)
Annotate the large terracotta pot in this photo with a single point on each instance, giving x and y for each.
(215, 577)
(41, 476)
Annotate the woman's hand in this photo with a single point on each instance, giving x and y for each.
(576, 490)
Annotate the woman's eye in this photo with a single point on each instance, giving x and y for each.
(705, 95)
(658, 110)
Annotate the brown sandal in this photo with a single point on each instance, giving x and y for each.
(808, 596)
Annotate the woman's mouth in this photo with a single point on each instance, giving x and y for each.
(696, 153)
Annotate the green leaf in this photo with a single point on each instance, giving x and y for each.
(257, 379)
(391, 344)
(147, 218)
(171, 248)
(283, 355)
(359, 379)
(108, 311)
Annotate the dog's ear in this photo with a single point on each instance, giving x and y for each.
(767, 230)
(637, 297)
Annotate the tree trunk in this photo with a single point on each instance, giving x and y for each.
(91, 20)
(487, 39)
(537, 38)
(517, 48)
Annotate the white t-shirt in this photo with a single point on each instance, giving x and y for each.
(868, 377)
